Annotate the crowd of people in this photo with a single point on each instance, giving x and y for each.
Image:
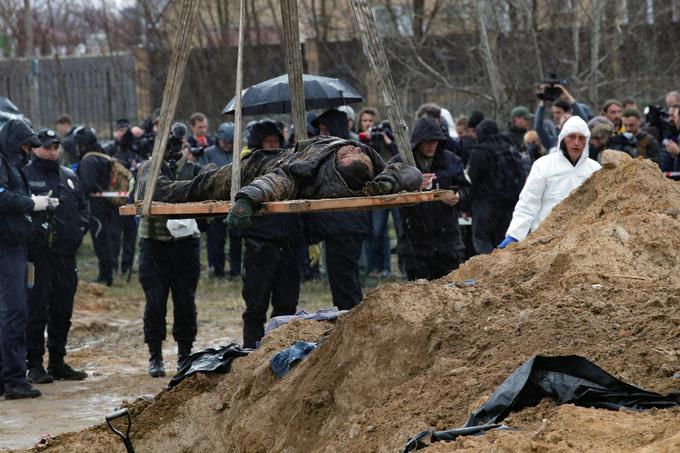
(55, 185)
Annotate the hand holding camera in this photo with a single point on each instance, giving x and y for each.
(553, 89)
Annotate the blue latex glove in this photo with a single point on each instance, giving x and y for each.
(506, 241)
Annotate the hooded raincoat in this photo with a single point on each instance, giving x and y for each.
(16, 204)
(551, 180)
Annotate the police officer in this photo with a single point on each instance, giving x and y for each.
(58, 234)
(16, 205)
(169, 261)
(124, 228)
(95, 174)
(271, 271)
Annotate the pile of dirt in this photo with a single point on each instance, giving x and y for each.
(599, 279)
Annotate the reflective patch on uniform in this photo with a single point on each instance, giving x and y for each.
(69, 182)
(37, 183)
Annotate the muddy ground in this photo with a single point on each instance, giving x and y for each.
(106, 340)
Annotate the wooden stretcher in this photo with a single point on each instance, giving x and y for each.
(220, 208)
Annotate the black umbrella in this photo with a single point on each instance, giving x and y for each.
(8, 111)
(273, 96)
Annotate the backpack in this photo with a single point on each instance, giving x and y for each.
(119, 180)
(509, 178)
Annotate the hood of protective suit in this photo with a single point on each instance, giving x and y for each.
(575, 124)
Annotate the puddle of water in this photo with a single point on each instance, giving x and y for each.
(68, 406)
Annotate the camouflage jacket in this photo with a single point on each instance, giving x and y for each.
(152, 227)
(307, 171)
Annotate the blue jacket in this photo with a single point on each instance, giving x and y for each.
(548, 135)
(668, 162)
(16, 204)
(63, 230)
(216, 155)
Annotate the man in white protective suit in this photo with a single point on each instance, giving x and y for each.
(552, 179)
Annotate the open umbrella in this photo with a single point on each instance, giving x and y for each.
(273, 96)
(8, 111)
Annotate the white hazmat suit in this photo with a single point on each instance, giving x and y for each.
(551, 180)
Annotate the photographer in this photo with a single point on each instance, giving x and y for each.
(377, 245)
(169, 261)
(222, 153)
(95, 174)
(634, 141)
(669, 158)
(124, 228)
(564, 107)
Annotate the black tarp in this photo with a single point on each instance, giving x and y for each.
(565, 379)
(209, 360)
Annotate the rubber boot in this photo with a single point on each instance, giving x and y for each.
(156, 368)
(183, 351)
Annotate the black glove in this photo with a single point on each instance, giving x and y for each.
(240, 213)
(378, 188)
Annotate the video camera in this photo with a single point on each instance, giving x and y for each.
(178, 133)
(658, 118)
(374, 138)
(551, 92)
(143, 146)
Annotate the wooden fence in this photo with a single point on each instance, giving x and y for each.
(95, 90)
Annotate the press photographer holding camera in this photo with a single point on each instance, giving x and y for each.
(564, 107)
(669, 158)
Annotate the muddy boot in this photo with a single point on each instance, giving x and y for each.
(21, 391)
(61, 371)
(183, 351)
(38, 375)
(156, 368)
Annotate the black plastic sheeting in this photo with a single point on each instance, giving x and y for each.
(567, 380)
(284, 359)
(209, 360)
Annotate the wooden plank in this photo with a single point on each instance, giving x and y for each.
(220, 208)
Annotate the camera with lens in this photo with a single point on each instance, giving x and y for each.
(659, 119)
(374, 138)
(173, 149)
(197, 150)
(143, 146)
(551, 92)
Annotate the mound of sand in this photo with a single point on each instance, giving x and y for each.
(599, 279)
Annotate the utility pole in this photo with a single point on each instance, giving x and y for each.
(29, 53)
